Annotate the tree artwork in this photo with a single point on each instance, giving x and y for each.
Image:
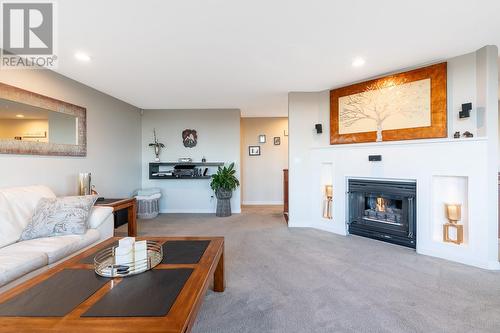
(386, 104)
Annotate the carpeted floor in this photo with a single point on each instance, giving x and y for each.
(305, 280)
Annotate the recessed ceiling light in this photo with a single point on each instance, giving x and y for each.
(82, 56)
(358, 62)
(20, 115)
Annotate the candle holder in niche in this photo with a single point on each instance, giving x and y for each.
(452, 231)
(327, 209)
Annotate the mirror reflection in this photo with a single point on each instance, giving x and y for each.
(24, 122)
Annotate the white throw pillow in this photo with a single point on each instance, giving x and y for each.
(17, 205)
(60, 216)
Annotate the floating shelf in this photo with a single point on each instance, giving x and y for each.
(180, 178)
(154, 169)
(206, 164)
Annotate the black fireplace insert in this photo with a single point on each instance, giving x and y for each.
(383, 210)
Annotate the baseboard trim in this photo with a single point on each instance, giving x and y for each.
(262, 203)
(193, 211)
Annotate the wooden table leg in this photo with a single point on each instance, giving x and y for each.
(219, 283)
(132, 220)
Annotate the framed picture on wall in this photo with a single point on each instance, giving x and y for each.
(277, 140)
(254, 150)
(405, 106)
(262, 138)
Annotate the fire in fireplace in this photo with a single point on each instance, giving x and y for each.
(380, 209)
(383, 210)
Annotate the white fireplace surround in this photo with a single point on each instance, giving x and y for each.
(445, 170)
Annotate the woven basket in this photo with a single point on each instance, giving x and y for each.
(148, 208)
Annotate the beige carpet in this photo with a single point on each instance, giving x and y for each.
(305, 280)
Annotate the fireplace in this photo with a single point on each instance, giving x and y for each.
(383, 210)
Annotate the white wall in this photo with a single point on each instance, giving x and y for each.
(218, 140)
(420, 160)
(113, 140)
(262, 176)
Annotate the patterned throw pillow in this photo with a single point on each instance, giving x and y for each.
(59, 216)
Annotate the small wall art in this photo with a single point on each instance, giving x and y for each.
(262, 138)
(277, 140)
(189, 138)
(254, 150)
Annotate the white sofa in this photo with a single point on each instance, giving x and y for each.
(25, 258)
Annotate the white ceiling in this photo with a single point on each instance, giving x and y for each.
(250, 54)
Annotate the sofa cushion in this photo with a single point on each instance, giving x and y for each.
(55, 248)
(15, 264)
(16, 208)
(60, 216)
(98, 215)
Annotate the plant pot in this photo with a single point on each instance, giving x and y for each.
(223, 202)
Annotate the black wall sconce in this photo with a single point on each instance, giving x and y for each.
(319, 128)
(465, 113)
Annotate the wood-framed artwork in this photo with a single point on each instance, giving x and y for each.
(404, 106)
(254, 150)
(277, 140)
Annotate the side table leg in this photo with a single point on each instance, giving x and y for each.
(132, 220)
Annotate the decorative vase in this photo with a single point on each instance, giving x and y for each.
(157, 153)
(223, 202)
(84, 183)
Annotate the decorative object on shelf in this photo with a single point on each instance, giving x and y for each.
(203, 160)
(93, 191)
(189, 138)
(277, 140)
(465, 113)
(456, 135)
(319, 128)
(185, 160)
(467, 134)
(223, 183)
(452, 231)
(84, 183)
(262, 138)
(327, 209)
(157, 146)
(130, 257)
(254, 150)
(409, 105)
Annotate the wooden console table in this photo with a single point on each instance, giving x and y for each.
(118, 204)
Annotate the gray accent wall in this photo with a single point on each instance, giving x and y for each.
(113, 140)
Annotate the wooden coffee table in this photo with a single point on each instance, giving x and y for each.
(180, 317)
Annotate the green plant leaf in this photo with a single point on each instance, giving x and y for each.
(225, 179)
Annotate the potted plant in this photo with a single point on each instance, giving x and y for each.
(224, 182)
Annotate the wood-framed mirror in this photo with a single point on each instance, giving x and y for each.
(33, 124)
